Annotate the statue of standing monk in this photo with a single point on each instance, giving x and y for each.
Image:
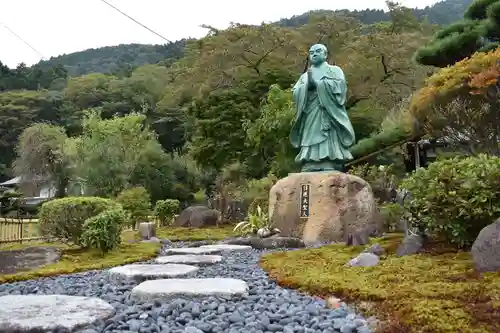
(322, 130)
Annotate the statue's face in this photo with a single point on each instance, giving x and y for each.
(317, 54)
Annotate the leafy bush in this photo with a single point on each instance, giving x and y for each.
(137, 202)
(254, 222)
(391, 214)
(166, 209)
(64, 218)
(455, 198)
(103, 231)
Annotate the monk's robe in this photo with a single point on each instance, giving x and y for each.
(322, 130)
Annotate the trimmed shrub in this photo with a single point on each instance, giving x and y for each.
(63, 219)
(137, 202)
(103, 231)
(166, 209)
(455, 198)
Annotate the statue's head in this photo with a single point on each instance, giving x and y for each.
(317, 54)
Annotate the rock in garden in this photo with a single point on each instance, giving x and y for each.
(141, 272)
(197, 216)
(190, 259)
(45, 313)
(226, 247)
(411, 244)
(356, 237)
(275, 242)
(486, 248)
(338, 203)
(13, 261)
(376, 249)
(364, 259)
(174, 288)
(147, 230)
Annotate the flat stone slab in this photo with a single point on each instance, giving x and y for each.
(227, 247)
(43, 313)
(189, 259)
(191, 288)
(192, 250)
(141, 272)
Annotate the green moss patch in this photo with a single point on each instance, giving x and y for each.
(433, 292)
(175, 234)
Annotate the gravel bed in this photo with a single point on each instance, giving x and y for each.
(267, 308)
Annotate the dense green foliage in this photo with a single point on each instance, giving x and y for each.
(478, 31)
(166, 209)
(137, 202)
(456, 198)
(63, 219)
(103, 231)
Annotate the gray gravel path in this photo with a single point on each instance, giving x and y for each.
(267, 308)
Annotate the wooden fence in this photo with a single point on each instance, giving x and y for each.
(18, 230)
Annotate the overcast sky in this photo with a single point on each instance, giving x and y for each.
(55, 27)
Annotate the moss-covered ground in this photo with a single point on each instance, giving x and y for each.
(75, 260)
(433, 292)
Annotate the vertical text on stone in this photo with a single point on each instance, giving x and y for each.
(305, 192)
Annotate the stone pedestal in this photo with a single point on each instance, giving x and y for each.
(323, 207)
(147, 230)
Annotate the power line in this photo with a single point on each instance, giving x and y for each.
(139, 23)
(22, 40)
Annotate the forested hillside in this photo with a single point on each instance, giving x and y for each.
(119, 59)
(442, 13)
(122, 58)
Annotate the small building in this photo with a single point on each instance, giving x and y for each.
(31, 188)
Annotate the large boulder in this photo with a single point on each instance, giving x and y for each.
(340, 206)
(197, 216)
(486, 248)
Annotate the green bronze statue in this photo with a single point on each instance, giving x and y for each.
(322, 130)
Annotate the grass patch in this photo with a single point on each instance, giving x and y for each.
(76, 260)
(433, 292)
(176, 234)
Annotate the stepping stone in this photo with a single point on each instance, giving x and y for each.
(141, 272)
(227, 247)
(45, 313)
(189, 259)
(175, 288)
(192, 250)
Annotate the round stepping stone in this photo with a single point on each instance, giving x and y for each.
(191, 288)
(192, 250)
(45, 313)
(227, 247)
(141, 272)
(189, 259)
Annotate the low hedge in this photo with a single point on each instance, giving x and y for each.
(64, 218)
(433, 292)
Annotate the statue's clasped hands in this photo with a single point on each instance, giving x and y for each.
(310, 80)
